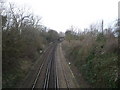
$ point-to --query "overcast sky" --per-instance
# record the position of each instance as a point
(61, 14)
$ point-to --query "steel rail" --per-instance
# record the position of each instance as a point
(49, 57)
(40, 69)
(51, 72)
(48, 73)
(56, 76)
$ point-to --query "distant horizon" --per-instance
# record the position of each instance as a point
(59, 15)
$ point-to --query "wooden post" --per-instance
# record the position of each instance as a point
(102, 26)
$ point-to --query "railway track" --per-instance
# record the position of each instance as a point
(47, 75)
(48, 70)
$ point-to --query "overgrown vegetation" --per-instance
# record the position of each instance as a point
(95, 54)
(22, 39)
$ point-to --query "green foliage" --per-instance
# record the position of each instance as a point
(96, 58)
(101, 38)
(17, 47)
(70, 35)
(52, 35)
(22, 41)
(101, 69)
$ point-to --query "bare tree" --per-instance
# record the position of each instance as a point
(20, 18)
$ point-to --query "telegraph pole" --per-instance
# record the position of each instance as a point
(102, 27)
